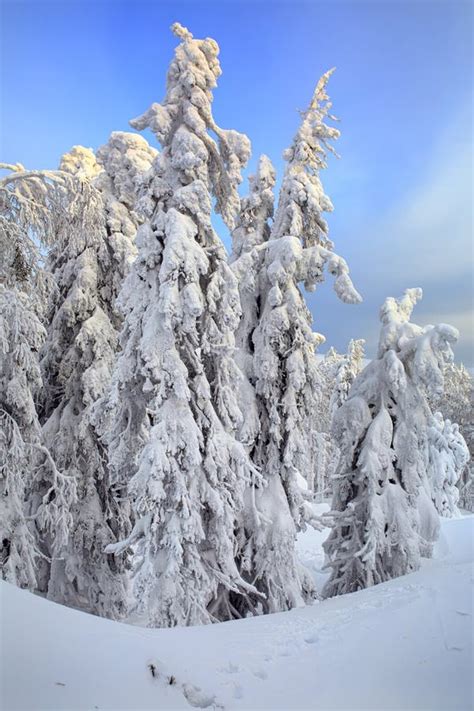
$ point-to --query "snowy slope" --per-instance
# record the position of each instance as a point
(406, 644)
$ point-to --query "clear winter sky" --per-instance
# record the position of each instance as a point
(74, 71)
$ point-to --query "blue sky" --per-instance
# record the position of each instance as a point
(72, 72)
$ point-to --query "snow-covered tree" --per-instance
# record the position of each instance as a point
(78, 351)
(337, 372)
(383, 516)
(88, 262)
(328, 367)
(349, 368)
(32, 205)
(173, 400)
(448, 456)
(457, 405)
(284, 364)
(21, 335)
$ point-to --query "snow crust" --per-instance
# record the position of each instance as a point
(403, 644)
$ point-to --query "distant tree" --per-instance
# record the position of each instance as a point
(337, 372)
(349, 368)
(383, 516)
(328, 367)
(457, 404)
(174, 397)
(448, 456)
(326, 452)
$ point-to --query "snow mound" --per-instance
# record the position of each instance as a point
(405, 644)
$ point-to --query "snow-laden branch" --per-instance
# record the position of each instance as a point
(139, 530)
(35, 206)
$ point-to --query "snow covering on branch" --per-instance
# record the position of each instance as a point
(256, 208)
(383, 516)
(81, 162)
(174, 396)
(34, 206)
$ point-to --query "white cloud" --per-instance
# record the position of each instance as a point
(462, 320)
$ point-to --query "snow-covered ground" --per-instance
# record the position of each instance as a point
(406, 644)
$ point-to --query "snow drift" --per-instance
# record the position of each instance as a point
(404, 644)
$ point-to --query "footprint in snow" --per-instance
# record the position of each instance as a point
(198, 698)
(155, 668)
(230, 668)
(194, 695)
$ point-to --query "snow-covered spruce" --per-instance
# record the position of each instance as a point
(337, 372)
(328, 367)
(448, 456)
(347, 371)
(284, 366)
(383, 516)
(33, 204)
(319, 479)
(21, 335)
(89, 260)
(174, 395)
(457, 404)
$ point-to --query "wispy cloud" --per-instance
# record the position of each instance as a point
(429, 234)
(464, 322)
(425, 239)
